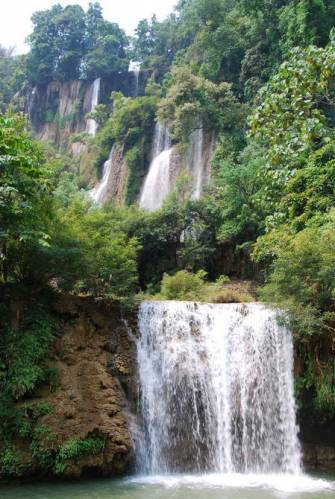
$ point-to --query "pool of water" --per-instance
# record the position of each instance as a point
(212, 486)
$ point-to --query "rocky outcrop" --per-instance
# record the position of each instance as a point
(96, 394)
(118, 177)
(318, 457)
(317, 440)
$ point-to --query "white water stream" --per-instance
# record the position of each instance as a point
(98, 193)
(157, 184)
(217, 390)
(92, 125)
(135, 68)
(196, 161)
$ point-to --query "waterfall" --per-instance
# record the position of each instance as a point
(157, 183)
(98, 193)
(31, 103)
(196, 162)
(92, 125)
(135, 68)
(216, 387)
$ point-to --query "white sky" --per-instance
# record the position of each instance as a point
(15, 15)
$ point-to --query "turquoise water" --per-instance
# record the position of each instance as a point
(214, 486)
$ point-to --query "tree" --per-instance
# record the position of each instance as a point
(130, 125)
(302, 274)
(68, 43)
(107, 256)
(234, 196)
(106, 45)
(57, 44)
(193, 101)
(24, 196)
(294, 122)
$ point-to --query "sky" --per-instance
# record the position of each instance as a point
(15, 15)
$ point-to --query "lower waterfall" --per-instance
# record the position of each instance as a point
(216, 384)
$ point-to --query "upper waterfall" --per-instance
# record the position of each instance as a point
(98, 192)
(92, 125)
(216, 387)
(157, 183)
(31, 103)
(135, 68)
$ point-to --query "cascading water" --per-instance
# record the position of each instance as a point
(216, 387)
(196, 163)
(157, 183)
(98, 193)
(92, 125)
(135, 68)
(31, 103)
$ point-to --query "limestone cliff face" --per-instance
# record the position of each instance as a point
(58, 109)
(97, 385)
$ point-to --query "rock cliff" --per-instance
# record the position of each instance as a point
(58, 109)
(96, 393)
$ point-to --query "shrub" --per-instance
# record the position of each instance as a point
(74, 449)
(183, 285)
(11, 464)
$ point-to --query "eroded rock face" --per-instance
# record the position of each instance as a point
(317, 438)
(117, 181)
(97, 388)
(58, 109)
(319, 457)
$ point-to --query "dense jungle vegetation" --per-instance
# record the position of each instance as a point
(260, 74)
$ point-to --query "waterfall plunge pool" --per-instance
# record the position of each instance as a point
(200, 486)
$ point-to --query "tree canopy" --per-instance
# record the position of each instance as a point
(67, 44)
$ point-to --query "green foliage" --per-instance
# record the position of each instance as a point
(294, 124)
(234, 196)
(302, 277)
(105, 45)
(24, 200)
(107, 257)
(12, 76)
(292, 119)
(11, 462)
(68, 43)
(99, 114)
(310, 192)
(131, 125)
(193, 101)
(74, 449)
(79, 137)
(156, 44)
(43, 447)
(24, 353)
(206, 63)
(183, 285)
